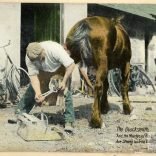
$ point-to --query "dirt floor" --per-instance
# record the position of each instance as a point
(120, 133)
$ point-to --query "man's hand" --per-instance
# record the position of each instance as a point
(36, 86)
(62, 86)
(39, 99)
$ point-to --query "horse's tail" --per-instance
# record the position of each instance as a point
(117, 23)
(117, 20)
(79, 40)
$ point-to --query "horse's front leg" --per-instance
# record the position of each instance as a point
(124, 87)
(96, 121)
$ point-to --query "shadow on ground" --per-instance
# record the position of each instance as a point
(81, 112)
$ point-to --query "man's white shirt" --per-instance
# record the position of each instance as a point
(55, 56)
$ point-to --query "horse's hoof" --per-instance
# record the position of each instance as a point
(127, 109)
(96, 123)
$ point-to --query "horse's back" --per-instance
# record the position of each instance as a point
(93, 33)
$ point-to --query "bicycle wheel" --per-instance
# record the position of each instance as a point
(20, 80)
(3, 92)
(146, 82)
(3, 99)
(3, 88)
(12, 93)
(114, 81)
(110, 89)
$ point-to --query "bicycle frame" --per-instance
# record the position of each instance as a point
(12, 72)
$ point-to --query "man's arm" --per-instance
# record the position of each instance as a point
(68, 73)
(36, 86)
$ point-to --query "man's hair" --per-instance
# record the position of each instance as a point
(33, 50)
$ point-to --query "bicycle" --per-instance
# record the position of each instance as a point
(138, 79)
(13, 80)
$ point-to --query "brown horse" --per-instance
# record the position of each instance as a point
(104, 44)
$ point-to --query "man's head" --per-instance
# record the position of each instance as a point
(34, 51)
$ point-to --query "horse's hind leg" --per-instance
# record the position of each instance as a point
(125, 70)
(104, 101)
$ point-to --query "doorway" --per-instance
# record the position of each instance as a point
(39, 22)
